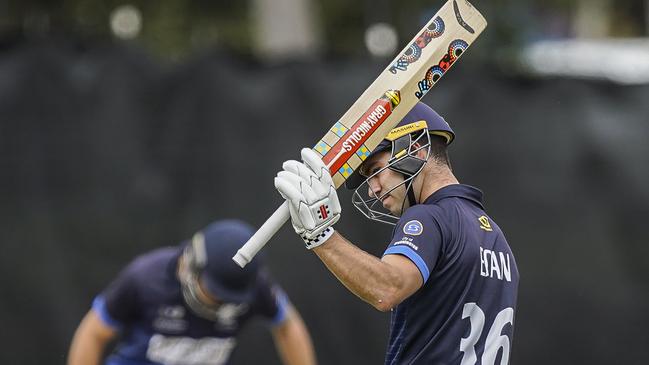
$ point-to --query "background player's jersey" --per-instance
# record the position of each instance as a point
(464, 312)
(156, 327)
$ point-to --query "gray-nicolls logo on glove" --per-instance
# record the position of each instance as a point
(324, 211)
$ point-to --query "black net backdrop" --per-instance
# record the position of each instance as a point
(106, 153)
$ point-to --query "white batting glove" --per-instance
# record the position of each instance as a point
(311, 197)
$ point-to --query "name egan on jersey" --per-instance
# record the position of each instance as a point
(364, 127)
(495, 264)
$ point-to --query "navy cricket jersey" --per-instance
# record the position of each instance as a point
(464, 312)
(146, 305)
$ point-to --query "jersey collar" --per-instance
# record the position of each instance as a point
(457, 191)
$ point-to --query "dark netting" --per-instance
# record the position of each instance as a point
(105, 153)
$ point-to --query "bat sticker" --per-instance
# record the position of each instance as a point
(434, 30)
(461, 21)
(455, 50)
(353, 138)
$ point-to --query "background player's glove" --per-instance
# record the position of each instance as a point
(311, 197)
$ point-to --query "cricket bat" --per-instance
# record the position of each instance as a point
(432, 51)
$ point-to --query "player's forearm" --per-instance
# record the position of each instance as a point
(293, 341)
(85, 351)
(90, 341)
(365, 275)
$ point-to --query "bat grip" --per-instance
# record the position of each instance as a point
(263, 234)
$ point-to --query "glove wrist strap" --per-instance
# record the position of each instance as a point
(312, 243)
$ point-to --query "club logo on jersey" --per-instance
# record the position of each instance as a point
(484, 223)
(170, 319)
(228, 313)
(174, 311)
(413, 228)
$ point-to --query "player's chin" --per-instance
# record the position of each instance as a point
(394, 209)
(397, 209)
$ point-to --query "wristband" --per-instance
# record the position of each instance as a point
(312, 243)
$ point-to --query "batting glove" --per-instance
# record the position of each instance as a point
(311, 195)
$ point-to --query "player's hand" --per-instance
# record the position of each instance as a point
(311, 197)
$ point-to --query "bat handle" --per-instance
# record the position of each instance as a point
(263, 234)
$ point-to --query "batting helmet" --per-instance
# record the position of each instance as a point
(209, 258)
(399, 138)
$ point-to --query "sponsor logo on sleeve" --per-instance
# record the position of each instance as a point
(407, 242)
(413, 228)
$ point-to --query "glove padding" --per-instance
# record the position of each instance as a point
(311, 195)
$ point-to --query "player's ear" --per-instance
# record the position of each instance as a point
(419, 151)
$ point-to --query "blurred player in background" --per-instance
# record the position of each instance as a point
(448, 274)
(186, 305)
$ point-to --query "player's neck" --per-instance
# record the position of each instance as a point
(433, 179)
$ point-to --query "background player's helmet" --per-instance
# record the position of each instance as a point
(208, 257)
(411, 135)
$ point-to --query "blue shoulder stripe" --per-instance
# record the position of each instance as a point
(413, 256)
(282, 307)
(99, 306)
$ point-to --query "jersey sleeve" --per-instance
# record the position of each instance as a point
(117, 304)
(271, 300)
(418, 237)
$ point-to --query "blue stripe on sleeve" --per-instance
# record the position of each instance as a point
(413, 256)
(282, 308)
(99, 306)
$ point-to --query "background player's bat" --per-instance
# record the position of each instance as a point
(390, 97)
